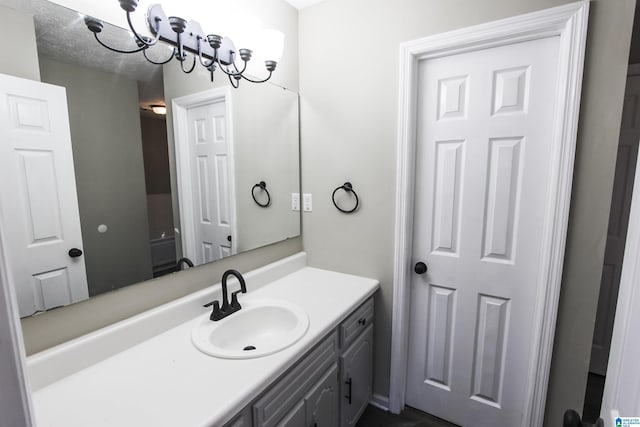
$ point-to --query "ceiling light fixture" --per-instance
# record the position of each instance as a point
(213, 51)
(159, 109)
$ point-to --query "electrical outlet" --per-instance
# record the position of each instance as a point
(295, 201)
(307, 202)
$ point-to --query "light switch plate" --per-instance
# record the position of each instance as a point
(307, 202)
(295, 201)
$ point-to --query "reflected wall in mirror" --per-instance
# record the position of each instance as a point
(124, 161)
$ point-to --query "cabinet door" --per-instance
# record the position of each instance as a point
(321, 403)
(356, 378)
(295, 417)
(295, 385)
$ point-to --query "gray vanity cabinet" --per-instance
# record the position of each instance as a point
(316, 391)
(280, 403)
(318, 408)
(356, 365)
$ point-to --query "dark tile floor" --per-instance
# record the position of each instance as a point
(374, 417)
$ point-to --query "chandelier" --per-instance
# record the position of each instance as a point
(191, 45)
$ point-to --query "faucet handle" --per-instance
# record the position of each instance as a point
(234, 300)
(216, 313)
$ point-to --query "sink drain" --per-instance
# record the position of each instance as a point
(249, 347)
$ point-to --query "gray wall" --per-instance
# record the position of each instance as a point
(348, 130)
(156, 154)
(22, 61)
(107, 150)
(266, 149)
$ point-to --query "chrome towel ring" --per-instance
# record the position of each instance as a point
(262, 186)
(347, 187)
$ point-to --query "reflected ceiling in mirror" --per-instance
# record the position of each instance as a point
(124, 158)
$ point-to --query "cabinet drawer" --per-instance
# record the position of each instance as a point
(356, 323)
(291, 388)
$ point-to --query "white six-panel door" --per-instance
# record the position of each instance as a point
(484, 135)
(38, 200)
(210, 179)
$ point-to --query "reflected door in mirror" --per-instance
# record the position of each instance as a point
(38, 201)
(211, 185)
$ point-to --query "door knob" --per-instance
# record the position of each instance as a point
(75, 252)
(420, 267)
(228, 238)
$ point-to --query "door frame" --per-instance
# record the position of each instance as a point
(569, 22)
(180, 108)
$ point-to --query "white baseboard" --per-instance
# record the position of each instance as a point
(380, 401)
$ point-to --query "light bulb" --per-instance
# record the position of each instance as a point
(159, 109)
(271, 45)
(246, 33)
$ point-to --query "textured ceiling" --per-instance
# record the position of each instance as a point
(62, 35)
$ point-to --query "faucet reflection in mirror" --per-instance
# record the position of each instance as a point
(213, 51)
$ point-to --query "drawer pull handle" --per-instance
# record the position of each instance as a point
(348, 396)
(362, 321)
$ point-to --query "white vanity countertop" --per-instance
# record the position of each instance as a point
(166, 381)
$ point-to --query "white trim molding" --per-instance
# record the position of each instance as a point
(380, 401)
(15, 402)
(180, 108)
(569, 23)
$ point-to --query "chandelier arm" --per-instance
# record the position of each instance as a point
(193, 65)
(235, 84)
(243, 68)
(117, 50)
(144, 52)
(202, 60)
(212, 69)
(232, 73)
(257, 81)
(147, 42)
(182, 56)
(224, 70)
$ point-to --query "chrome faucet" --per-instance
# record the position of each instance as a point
(227, 308)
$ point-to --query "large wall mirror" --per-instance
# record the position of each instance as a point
(147, 198)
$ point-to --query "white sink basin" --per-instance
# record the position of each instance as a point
(260, 328)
